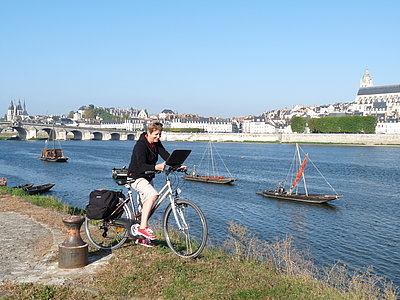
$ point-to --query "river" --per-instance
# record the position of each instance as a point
(362, 229)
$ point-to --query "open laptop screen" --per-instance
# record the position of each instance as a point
(177, 157)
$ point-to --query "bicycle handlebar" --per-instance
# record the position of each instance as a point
(169, 170)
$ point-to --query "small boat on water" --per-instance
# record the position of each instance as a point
(212, 175)
(209, 179)
(39, 189)
(52, 154)
(3, 181)
(293, 193)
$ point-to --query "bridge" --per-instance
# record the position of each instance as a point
(27, 131)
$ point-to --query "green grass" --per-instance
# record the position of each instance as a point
(43, 201)
(243, 267)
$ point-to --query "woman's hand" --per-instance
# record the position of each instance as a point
(160, 167)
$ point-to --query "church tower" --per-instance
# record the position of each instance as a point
(10, 112)
(366, 80)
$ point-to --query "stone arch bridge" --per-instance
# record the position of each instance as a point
(28, 131)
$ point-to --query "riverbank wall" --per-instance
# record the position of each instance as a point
(322, 138)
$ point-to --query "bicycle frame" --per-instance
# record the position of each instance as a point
(183, 223)
(165, 191)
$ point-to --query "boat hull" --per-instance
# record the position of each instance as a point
(310, 198)
(39, 189)
(207, 179)
(53, 155)
(55, 159)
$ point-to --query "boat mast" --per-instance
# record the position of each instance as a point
(304, 178)
(212, 158)
(54, 138)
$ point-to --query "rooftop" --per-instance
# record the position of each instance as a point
(381, 89)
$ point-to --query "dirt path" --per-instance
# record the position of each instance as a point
(29, 239)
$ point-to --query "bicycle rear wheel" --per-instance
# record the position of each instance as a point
(108, 234)
(190, 238)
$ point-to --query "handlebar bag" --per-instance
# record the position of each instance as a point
(102, 203)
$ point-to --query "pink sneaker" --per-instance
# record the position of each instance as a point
(144, 242)
(146, 232)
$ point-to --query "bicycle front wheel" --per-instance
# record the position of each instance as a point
(108, 234)
(186, 231)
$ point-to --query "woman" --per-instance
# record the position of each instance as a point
(144, 158)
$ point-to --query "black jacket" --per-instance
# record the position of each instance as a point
(144, 158)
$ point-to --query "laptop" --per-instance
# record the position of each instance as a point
(177, 157)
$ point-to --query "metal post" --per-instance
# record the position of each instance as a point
(73, 252)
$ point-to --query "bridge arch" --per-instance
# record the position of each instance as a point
(97, 136)
(76, 135)
(115, 136)
(130, 137)
(22, 132)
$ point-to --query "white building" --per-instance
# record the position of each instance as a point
(388, 127)
(258, 125)
(220, 125)
(382, 101)
(133, 124)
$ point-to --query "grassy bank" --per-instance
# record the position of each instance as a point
(243, 267)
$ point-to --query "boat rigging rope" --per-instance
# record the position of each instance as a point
(224, 164)
(211, 166)
(320, 173)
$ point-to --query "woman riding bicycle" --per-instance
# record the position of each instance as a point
(144, 159)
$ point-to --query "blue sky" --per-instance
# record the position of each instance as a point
(215, 58)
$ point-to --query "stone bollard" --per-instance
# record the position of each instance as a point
(73, 252)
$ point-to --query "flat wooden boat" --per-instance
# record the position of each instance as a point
(52, 154)
(210, 171)
(39, 189)
(296, 171)
(310, 198)
(209, 179)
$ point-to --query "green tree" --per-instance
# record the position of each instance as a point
(346, 124)
(298, 124)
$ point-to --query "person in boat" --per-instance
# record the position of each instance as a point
(281, 190)
(144, 158)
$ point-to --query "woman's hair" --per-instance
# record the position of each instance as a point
(155, 125)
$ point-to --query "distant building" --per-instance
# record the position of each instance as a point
(132, 124)
(382, 101)
(259, 124)
(17, 112)
(205, 124)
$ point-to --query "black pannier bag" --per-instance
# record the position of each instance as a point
(102, 203)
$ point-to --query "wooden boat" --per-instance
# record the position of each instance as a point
(52, 154)
(39, 189)
(3, 181)
(293, 193)
(212, 175)
(208, 179)
(23, 186)
(119, 173)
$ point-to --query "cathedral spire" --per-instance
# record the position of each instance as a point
(366, 80)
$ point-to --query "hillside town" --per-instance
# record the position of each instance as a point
(382, 101)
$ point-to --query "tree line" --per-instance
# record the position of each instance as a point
(346, 124)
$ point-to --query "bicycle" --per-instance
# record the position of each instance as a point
(183, 223)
